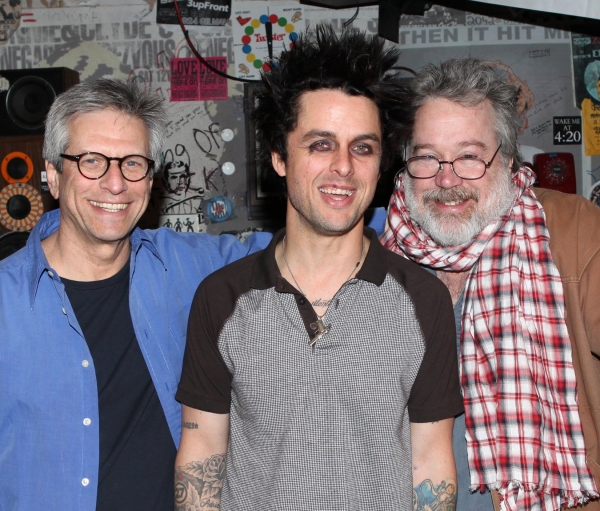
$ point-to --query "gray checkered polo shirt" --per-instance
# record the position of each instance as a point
(324, 427)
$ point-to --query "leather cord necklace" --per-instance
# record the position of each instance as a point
(321, 328)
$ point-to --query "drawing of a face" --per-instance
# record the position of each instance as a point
(177, 176)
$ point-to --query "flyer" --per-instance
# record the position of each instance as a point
(205, 13)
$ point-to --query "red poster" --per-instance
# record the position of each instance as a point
(212, 85)
(185, 74)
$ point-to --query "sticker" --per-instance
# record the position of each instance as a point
(185, 73)
(44, 188)
(219, 209)
(567, 130)
(208, 13)
(188, 223)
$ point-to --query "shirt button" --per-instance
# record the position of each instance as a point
(313, 326)
(85, 363)
(87, 422)
(50, 273)
(301, 301)
(85, 481)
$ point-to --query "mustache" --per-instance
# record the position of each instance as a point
(451, 195)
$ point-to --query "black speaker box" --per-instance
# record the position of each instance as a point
(25, 99)
(26, 96)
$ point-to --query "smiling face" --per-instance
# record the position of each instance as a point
(450, 209)
(105, 210)
(333, 162)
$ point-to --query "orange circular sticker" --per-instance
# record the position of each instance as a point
(27, 197)
(12, 158)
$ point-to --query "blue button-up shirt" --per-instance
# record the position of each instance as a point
(49, 430)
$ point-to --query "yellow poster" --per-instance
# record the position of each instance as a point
(591, 126)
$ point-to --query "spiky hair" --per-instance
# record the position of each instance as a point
(352, 62)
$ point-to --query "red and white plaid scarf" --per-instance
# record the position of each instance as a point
(524, 435)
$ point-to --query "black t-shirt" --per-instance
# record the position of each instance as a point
(137, 452)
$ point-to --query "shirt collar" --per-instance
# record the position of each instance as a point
(49, 224)
(373, 269)
(266, 274)
(35, 254)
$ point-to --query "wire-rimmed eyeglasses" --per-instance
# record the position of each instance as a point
(133, 167)
(465, 167)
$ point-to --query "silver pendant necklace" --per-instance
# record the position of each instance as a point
(321, 328)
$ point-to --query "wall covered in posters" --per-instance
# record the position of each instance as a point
(204, 186)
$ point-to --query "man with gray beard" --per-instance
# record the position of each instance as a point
(523, 268)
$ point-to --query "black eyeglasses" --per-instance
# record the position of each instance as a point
(133, 167)
(465, 167)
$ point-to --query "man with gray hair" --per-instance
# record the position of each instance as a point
(93, 314)
(523, 268)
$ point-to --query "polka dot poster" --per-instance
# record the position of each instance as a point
(260, 28)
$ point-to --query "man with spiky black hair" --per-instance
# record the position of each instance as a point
(322, 373)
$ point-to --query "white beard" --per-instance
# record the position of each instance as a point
(450, 230)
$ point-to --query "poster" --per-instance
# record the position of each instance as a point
(586, 79)
(192, 80)
(213, 86)
(586, 67)
(185, 79)
(262, 30)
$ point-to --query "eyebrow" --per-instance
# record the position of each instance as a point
(312, 134)
(466, 143)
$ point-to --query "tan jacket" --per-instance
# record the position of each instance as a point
(574, 226)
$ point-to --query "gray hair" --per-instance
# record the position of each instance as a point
(469, 82)
(124, 97)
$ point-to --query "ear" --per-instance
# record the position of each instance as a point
(278, 164)
(53, 176)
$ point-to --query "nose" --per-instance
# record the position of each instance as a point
(113, 180)
(446, 178)
(342, 163)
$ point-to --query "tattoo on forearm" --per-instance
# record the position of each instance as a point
(190, 425)
(198, 484)
(428, 497)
